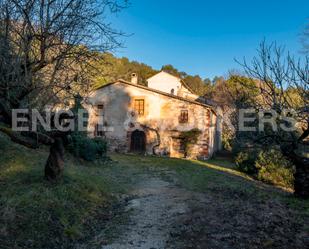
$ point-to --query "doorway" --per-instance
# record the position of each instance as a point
(138, 141)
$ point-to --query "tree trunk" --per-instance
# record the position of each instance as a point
(301, 175)
(55, 162)
(301, 178)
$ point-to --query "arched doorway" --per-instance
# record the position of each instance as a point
(138, 141)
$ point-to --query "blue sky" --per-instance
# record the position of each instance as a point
(204, 37)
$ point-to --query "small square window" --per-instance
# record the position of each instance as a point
(100, 107)
(184, 116)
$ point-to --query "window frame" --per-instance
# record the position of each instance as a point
(97, 131)
(139, 108)
(99, 109)
(100, 106)
(184, 116)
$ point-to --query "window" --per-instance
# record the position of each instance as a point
(139, 106)
(99, 109)
(98, 131)
(173, 91)
(184, 116)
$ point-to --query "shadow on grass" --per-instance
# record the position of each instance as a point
(200, 175)
(214, 177)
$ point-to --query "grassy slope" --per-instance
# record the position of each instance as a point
(37, 214)
(215, 174)
(239, 211)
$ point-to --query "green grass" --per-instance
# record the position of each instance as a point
(38, 214)
(191, 174)
(216, 176)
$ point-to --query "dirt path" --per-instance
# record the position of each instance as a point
(160, 214)
(156, 207)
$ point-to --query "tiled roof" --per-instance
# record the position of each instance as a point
(159, 92)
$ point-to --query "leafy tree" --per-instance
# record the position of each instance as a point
(217, 79)
(172, 70)
(109, 68)
(197, 85)
(236, 92)
(231, 95)
(207, 82)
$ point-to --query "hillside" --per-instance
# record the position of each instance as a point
(38, 214)
(111, 68)
(155, 200)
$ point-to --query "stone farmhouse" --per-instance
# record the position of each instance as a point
(153, 119)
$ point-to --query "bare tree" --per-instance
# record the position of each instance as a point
(283, 80)
(305, 39)
(46, 47)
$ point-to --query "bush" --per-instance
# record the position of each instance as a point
(226, 142)
(101, 146)
(87, 148)
(245, 162)
(274, 168)
(269, 166)
(189, 138)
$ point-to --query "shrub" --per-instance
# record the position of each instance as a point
(87, 148)
(226, 142)
(245, 162)
(274, 168)
(237, 147)
(189, 138)
(101, 146)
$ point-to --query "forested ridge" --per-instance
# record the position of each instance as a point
(110, 68)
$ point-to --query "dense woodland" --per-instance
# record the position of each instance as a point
(111, 68)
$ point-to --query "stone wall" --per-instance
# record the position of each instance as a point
(160, 121)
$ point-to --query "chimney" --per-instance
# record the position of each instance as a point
(134, 78)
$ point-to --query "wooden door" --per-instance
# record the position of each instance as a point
(138, 141)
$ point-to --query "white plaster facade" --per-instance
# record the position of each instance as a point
(168, 83)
